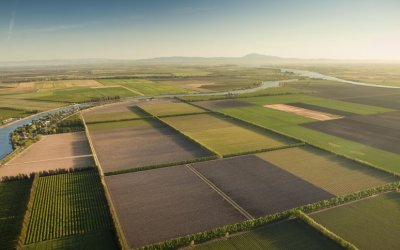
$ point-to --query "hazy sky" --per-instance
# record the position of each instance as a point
(130, 29)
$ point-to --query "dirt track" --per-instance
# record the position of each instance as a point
(258, 186)
(161, 204)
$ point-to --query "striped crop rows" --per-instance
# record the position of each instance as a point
(68, 204)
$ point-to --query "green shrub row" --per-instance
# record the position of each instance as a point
(162, 165)
(300, 144)
(217, 233)
(185, 114)
(335, 201)
(323, 230)
(262, 221)
(45, 173)
(119, 120)
(178, 131)
(28, 212)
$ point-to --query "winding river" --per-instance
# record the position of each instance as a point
(5, 144)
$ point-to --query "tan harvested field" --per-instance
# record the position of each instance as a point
(161, 204)
(316, 115)
(70, 150)
(335, 175)
(136, 143)
(225, 136)
(197, 85)
(170, 108)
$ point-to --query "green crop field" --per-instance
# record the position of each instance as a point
(102, 239)
(145, 87)
(171, 108)
(292, 234)
(83, 94)
(224, 136)
(14, 197)
(334, 174)
(350, 107)
(372, 223)
(114, 116)
(29, 105)
(6, 113)
(119, 124)
(287, 124)
(66, 205)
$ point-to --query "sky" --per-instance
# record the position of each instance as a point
(133, 29)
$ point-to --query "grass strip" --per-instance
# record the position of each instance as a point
(323, 230)
(28, 212)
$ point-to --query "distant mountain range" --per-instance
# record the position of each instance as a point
(250, 59)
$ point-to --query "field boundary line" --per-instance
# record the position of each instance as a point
(221, 193)
(324, 231)
(53, 159)
(28, 213)
(117, 225)
(364, 163)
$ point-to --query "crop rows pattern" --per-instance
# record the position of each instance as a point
(68, 204)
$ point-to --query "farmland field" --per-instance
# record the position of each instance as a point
(114, 112)
(68, 150)
(136, 143)
(224, 136)
(14, 196)
(288, 124)
(292, 234)
(77, 95)
(161, 204)
(381, 130)
(145, 87)
(369, 224)
(66, 205)
(6, 113)
(258, 186)
(170, 108)
(335, 175)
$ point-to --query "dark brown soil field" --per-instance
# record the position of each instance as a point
(380, 131)
(222, 104)
(320, 109)
(161, 204)
(381, 97)
(258, 186)
(124, 145)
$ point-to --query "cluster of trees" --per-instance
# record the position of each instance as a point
(25, 135)
(105, 98)
(70, 125)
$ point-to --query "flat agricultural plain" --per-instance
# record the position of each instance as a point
(334, 174)
(372, 223)
(14, 196)
(136, 143)
(166, 203)
(170, 108)
(291, 234)
(381, 130)
(224, 135)
(258, 186)
(113, 112)
(69, 150)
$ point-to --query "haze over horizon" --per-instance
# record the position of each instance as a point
(123, 29)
